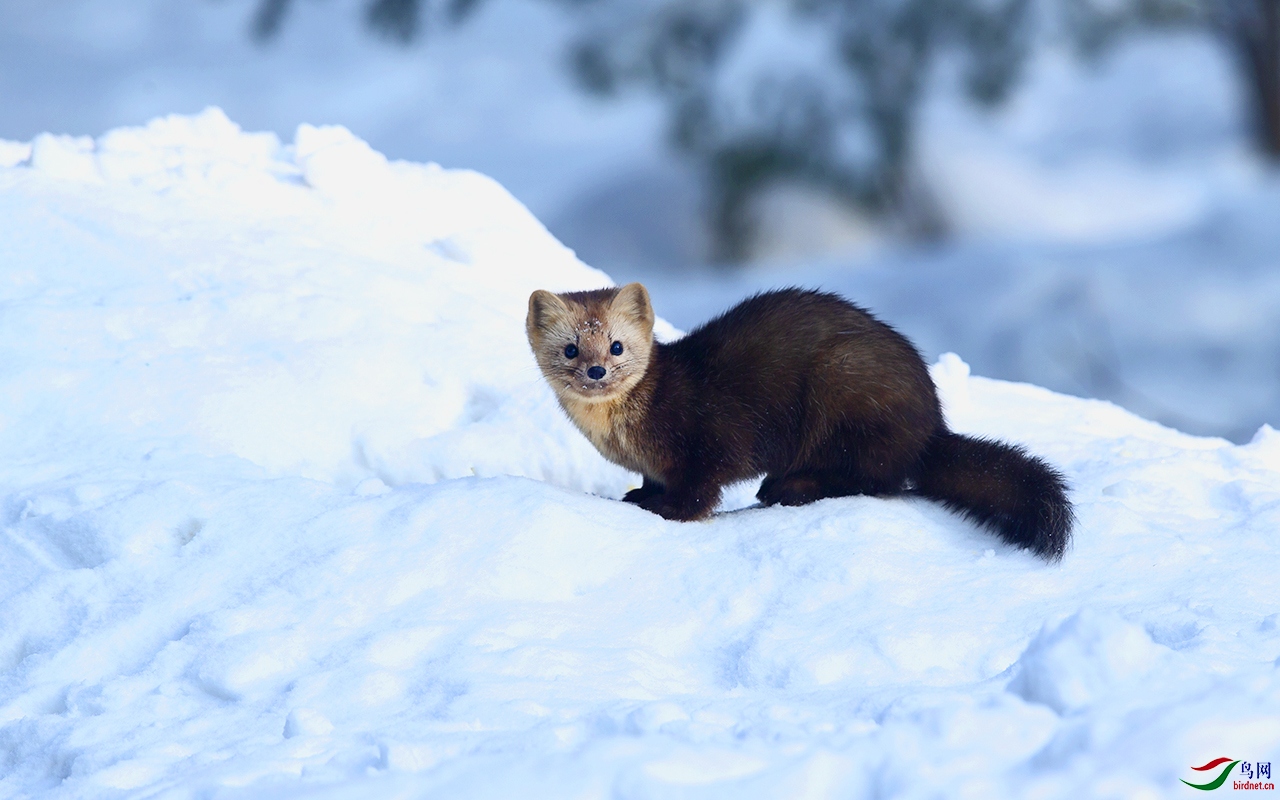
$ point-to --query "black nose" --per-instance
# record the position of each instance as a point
(595, 373)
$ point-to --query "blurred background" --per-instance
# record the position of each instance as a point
(1082, 194)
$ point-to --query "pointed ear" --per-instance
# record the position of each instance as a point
(632, 300)
(544, 309)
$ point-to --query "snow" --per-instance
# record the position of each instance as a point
(289, 513)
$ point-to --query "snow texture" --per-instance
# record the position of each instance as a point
(288, 512)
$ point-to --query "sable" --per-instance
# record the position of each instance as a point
(802, 387)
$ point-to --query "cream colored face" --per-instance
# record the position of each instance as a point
(592, 346)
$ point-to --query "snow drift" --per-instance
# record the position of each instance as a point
(289, 512)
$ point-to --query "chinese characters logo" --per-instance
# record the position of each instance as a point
(1249, 770)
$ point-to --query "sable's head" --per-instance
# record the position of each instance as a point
(592, 346)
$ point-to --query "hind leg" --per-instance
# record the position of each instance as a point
(799, 488)
(848, 462)
(789, 490)
(650, 488)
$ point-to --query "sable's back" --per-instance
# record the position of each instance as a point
(777, 375)
(794, 329)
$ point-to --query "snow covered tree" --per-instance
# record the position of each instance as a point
(818, 92)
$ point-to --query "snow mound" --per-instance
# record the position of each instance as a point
(288, 511)
(311, 308)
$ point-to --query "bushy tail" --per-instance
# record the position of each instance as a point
(1002, 487)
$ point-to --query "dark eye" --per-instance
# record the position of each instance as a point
(571, 351)
(616, 348)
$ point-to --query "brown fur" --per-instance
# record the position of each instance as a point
(805, 388)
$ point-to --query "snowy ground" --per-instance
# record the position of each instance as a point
(288, 513)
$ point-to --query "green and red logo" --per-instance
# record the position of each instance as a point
(1218, 781)
(1259, 769)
